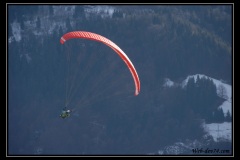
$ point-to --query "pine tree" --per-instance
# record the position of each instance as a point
(191, 94)
(219, 115)
(228, 117)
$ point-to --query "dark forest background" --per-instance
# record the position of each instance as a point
(162, 42)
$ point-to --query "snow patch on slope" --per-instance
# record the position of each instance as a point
(16, 31)
(103, 11)
(168, 83)
(219, 131)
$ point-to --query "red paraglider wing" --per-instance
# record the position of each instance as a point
(97, 37)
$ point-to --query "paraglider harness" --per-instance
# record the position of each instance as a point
(65, 113)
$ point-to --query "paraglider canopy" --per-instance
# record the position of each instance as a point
(97, 37)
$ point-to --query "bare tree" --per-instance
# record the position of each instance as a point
(222, 92)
